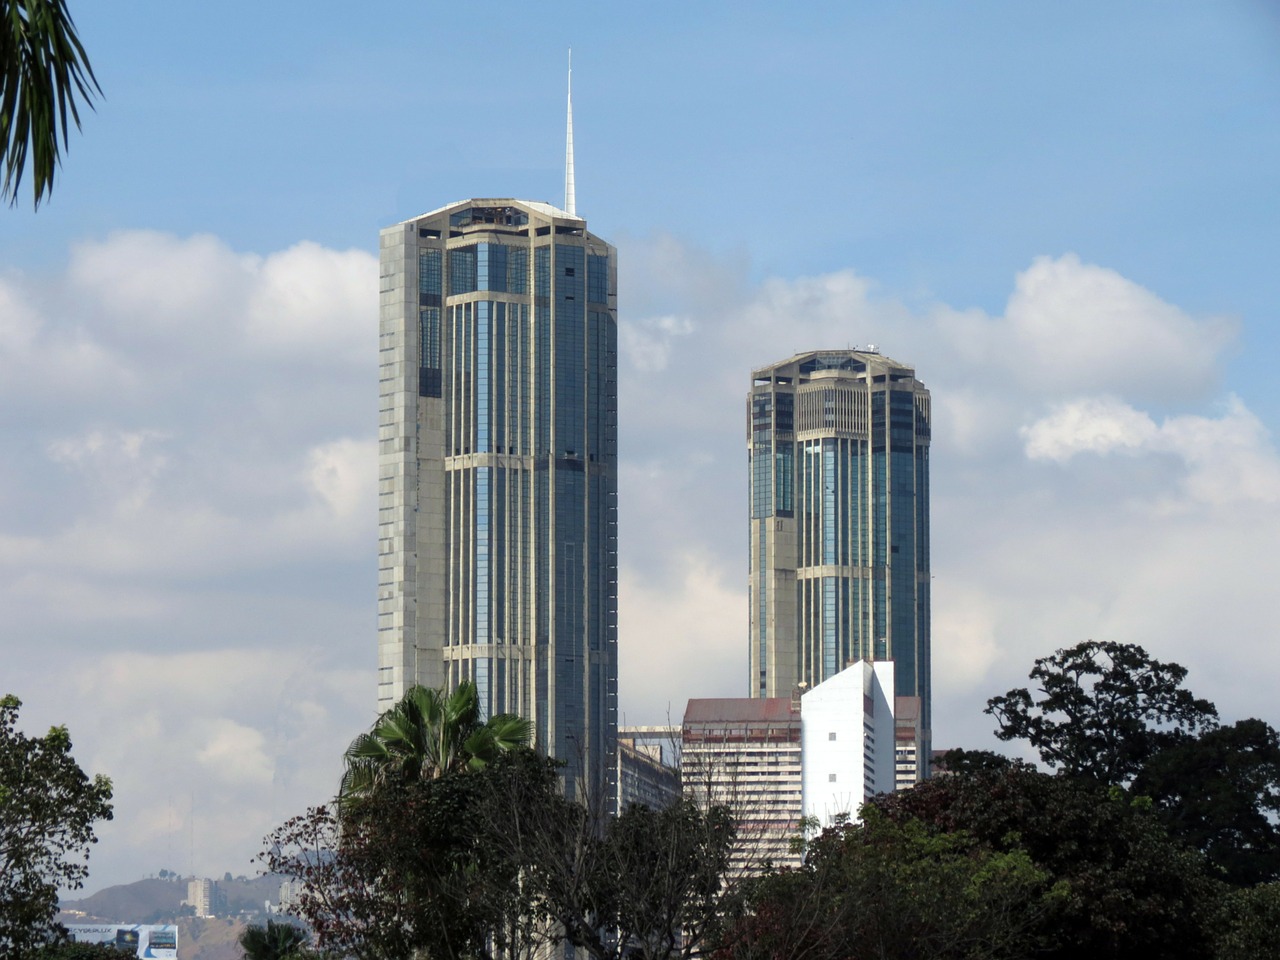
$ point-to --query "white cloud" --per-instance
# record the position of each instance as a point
(121, 463)
(156, 285)
(1093, 425)
(681, 636)
(339, 472)
(1229, 458)
(1084, 328)
(648, 342)
(305, 300)
(235, 753)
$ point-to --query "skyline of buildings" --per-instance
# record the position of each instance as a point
(498, 513)
(838, 481)
(498, 470)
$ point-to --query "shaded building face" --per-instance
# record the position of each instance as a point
(838, 446)
(498, 459)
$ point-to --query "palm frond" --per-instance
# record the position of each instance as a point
(44, 71)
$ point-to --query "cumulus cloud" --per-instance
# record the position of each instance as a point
(1081, 327)
(1094, 425)
(187, 540)
(1227, 458)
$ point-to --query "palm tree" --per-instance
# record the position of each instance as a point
(427, 735)
(43, 71)
(275, 941)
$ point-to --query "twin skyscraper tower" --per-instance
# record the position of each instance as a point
(498, 470)
(498, 486)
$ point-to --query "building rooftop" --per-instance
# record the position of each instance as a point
(852, 360)
(535, 206)
(741, 710)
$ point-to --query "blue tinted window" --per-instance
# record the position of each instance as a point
(462, 270)
(542, 271)
(517, 270)
(429, 374)
(430, 280)
(598, 279)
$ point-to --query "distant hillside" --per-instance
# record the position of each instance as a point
(144, 901)
(160, 901)
(217, 938)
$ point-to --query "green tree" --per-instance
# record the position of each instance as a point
(1220, 793)
(1103, 710)
(48, 808)
(427, 734)
(44, 71)
(71, 950)
(427, 867)
(894, 888)
(1246, 925)
(1132, 890)
(275, 941)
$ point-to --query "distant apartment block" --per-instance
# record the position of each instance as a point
(746, 753)
(290, 892)
(648, 768)
(908, 743)
(204, 896)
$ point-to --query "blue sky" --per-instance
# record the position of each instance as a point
(1065, 216)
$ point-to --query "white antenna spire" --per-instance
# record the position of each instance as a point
(570, 201)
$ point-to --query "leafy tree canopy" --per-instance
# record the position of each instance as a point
(1220, 793)
(71, 950)
(1132, 890)
(275, 941)
(44, 72)
(1109, 713)
(418, 866)
(1102, 710)
(48, 808)
(890, 887)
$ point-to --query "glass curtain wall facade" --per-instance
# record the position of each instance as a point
(838, 448)
(498, 471)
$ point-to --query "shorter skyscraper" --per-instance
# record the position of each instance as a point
(838, 445)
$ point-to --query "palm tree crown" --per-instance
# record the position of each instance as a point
(428, 734)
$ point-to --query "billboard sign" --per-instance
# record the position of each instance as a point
(152, 941)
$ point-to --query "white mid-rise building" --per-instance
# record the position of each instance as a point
(847, 741)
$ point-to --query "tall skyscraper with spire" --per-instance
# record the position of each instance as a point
(838, 445)
(498, 468)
